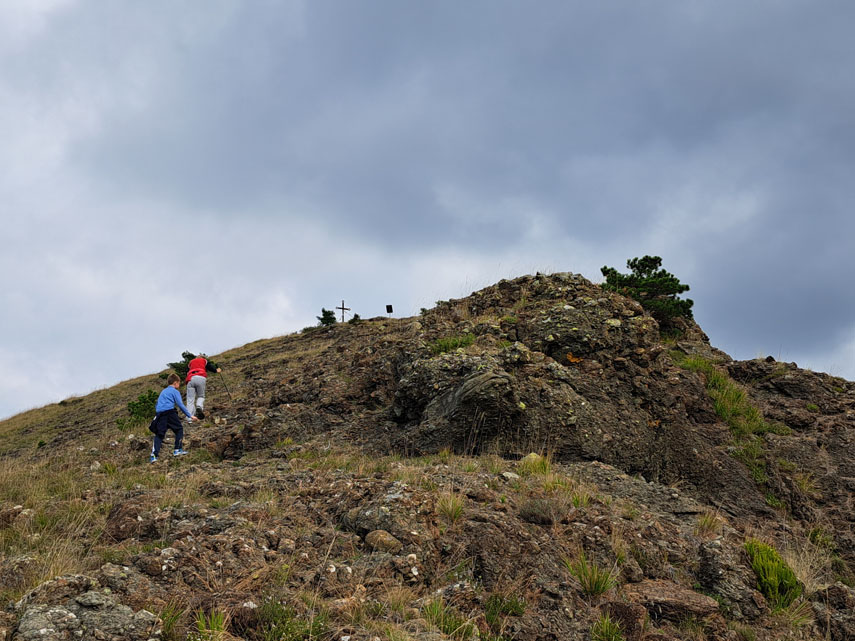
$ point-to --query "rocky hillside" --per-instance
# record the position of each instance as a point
(534, 461)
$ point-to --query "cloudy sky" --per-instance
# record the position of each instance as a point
(198, 174)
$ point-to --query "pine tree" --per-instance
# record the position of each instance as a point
(182, 367)
(327, 318)
(656, 289)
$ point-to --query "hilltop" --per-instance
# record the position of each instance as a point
(534, 461)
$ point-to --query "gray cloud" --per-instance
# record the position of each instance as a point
(399, 152)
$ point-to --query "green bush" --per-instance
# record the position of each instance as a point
(442, 345)
(327, 318)
(183, 366)
(141, 411)
(775, 579)
(656, 289)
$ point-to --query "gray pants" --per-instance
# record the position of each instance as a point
(196, 393)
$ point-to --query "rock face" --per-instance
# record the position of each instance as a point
(558, 365)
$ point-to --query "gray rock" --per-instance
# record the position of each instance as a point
(72, 608)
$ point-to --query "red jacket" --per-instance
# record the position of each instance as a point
(198, 367)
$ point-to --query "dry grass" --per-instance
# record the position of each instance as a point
(534, 465)
(709, 525)
(810, 564)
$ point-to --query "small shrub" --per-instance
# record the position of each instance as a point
(656, 289)
(327, 318)
(812, 407)
(775, 579)
(604, 629)
(141, 411)
(774, 501)
(183, 366)
(593, 579)
(449, 343)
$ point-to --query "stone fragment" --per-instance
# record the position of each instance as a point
(383, 541)
(669, 600)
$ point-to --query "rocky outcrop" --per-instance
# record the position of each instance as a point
(73, 607)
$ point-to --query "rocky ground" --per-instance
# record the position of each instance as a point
(374, 481)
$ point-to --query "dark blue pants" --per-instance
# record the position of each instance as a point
(167, 420)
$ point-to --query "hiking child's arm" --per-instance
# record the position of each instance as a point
(176, 396)
(212, 367)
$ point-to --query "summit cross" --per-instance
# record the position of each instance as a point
(343, 309)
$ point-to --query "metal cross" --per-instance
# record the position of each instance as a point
(343, 309)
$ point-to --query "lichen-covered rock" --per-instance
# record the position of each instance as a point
(73, 607)
(57, 590)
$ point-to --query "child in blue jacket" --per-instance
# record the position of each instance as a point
(167, 418)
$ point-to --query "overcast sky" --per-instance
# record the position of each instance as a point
(199, 174)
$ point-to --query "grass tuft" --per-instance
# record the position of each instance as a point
(448, 620)
(604, 629)
(593, 579)
(451, 506)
